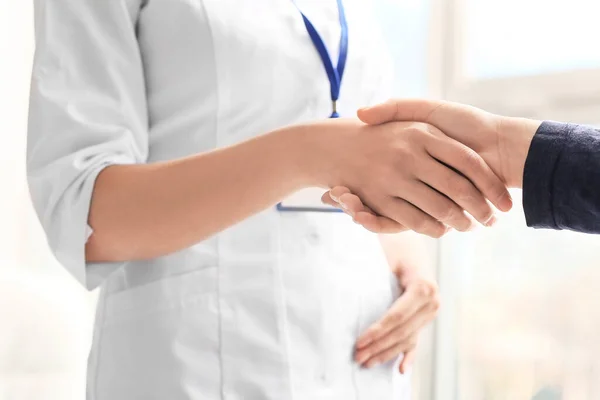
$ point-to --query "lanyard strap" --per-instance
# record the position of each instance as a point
(334, 74)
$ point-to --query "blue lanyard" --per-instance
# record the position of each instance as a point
(334, 74)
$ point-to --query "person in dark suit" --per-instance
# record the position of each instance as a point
(556, 164)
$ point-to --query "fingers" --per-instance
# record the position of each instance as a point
(404, 333)
(470, 164)
(407, 361)
(326, 199)
(446, 116)
(341, 197)
(398, 330)
(400, 340)
(415, 297)
(363, 215)
(378, 224)
(352, 204)
(378, 351)
(392, 352)
(412, 217)
(337, 192)
(441, 207)
(463, 194)
(366, 217)
(399, 110)
(331, 197)
(427, 199)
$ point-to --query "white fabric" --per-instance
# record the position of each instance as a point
(268, 309)
(42, 352)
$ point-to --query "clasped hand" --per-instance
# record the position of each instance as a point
(446, 163)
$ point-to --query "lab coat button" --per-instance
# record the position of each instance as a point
(313, 237)
(322, 377)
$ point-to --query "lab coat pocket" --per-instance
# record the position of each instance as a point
(161, 340)
(161, 295)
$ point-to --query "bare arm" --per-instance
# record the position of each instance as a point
(147, 210)
(88, 152)
(405, 251)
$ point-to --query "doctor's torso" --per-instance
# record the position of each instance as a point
(221, 71)
(269, 308)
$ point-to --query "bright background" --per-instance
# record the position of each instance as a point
(520, 317)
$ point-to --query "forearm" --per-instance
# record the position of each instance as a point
(516, 135)
(404, 251)
(558, 167)
(149, 210)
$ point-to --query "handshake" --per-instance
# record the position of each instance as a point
(428, 166)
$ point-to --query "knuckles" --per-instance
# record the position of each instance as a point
(471, 159)
(426, 227)
(416, 130)
(447, 213)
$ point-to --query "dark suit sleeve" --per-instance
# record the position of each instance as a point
(561, 181)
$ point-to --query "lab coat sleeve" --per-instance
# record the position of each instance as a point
(87, 111)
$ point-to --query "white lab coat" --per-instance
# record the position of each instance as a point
(268, 309)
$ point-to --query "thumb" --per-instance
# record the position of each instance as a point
(398, 110)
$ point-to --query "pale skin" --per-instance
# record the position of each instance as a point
(148, 210)
(503, 142)
(405, 170)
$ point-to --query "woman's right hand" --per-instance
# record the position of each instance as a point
(409, 173)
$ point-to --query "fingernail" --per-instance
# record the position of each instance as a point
(492, 221)
(342, 204)
(372, 363)
(506, 202)
(334, 198)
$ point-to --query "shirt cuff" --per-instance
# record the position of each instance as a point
(538, 176)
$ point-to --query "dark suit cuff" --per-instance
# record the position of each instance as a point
(538, 176)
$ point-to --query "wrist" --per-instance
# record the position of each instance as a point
(307, 154)
(516, 135)
(316, 147)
